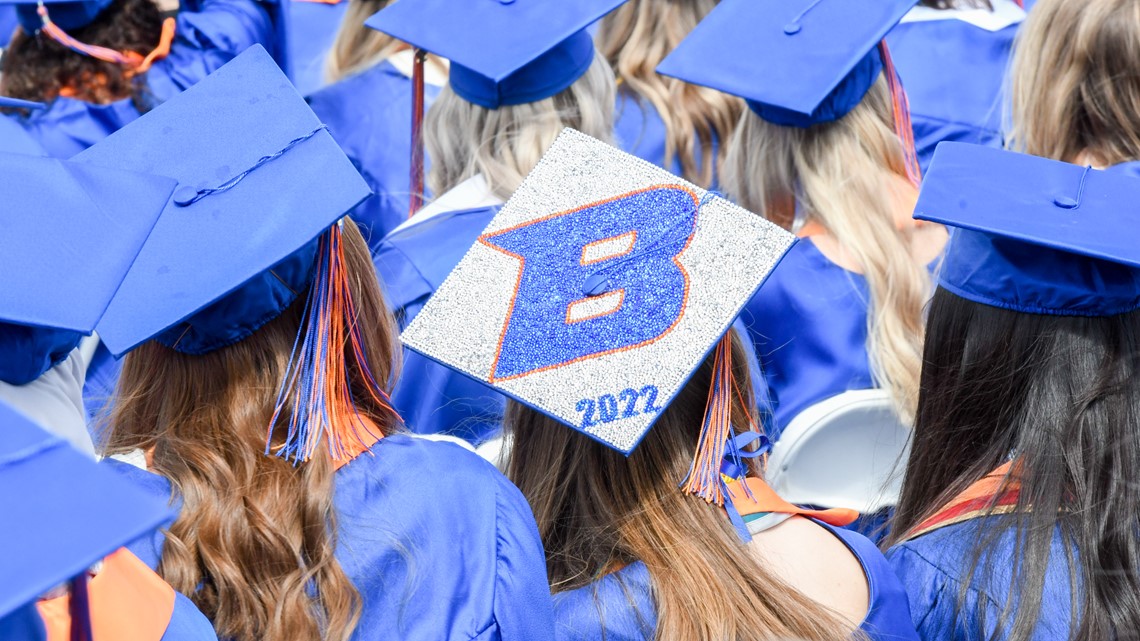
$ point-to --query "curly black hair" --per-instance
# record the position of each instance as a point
(39, 68)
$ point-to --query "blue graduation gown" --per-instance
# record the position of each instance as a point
(933, 569)
(412, 263)
(953, 73)
(370, 116)
(8, 23)
(620, 605)
(312, 29)
(639, 130)
(204, 41)
(438, 543)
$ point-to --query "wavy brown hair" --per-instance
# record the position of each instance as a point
(842, 174)
(358, 47)
(254, 542)
(41, 69)
(635, 38)
(598, 511)
(1075, 82)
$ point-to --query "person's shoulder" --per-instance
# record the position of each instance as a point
(148, 481)
(616, 606)
(364, 92)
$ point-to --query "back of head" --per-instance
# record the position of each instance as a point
(635, 38)
(254, 536)
(598, 511)
(36, 67)
(844, 175)
(1059, 395)
(358, 47)
(504, 144)
(1074, 88)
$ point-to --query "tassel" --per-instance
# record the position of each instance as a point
(130, 59)
(901, 108)
(79, 609)
(417, 178)
(317, 389)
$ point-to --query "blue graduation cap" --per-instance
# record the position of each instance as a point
(260, 178)
(66, 14)
(63, 264)
(598, 289)
(795, 62)
(502, 52)
(1034, 235)
(62, 511)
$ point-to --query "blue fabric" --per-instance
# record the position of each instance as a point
(24, 624)
(639, 130)
(370, 116)
(836, 104)
(187, 623)
(8, 23)
(933, 568)
(31, 351)
(808, 324)
(99, 387)
(619, 606)
(439, 544)
(66, 15)
(204, 41)
(412, 263)
(543, 77)
(953, 74)
(312, 30)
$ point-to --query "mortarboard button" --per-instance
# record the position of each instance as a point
(185, 195)
(1065, 202)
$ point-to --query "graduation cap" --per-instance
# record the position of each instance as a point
(252, 226)
(54, 18)
(797, 63)
(1034, 235)
(502, 52)
(62, 511)
(64, 264)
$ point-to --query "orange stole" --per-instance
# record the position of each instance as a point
(995, 493)
(129, 602)
(764, 499)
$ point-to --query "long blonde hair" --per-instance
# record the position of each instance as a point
(842, 174)
(598, 511)
(1074, 81)
(254, 542)
(504, 144)
(635, 38)
(358, 47)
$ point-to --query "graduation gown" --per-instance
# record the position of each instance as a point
(953, 73)
(639, 130)
(620, 605)
(438, 543)
(370, 116)
(312, 28)
(204, 40)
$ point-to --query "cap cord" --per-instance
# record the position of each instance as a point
(1065, 202)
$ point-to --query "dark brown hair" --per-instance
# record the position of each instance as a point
(39, 68)
(1061, 396)
(253, 545)
(599, 511)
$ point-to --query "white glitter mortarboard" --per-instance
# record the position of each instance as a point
(598, 289)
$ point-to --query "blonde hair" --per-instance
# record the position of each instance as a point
(254, 543)
(598, 510)
(635, 38)
(358, 47)
(842, 174)
(504, 144)
(1075, 83)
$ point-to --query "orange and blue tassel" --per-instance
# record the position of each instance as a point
(317, 386)
(129, 59)
(901, 111)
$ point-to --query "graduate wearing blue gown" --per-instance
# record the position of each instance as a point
(370, 115)
(207, 35)
(312, 29)
(809, 321)
(1040, 266)
(434, 539)
(953, 64)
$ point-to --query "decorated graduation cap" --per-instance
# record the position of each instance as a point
(252, 227)
(596, 292)
(63, 264)
(1034, 235)
(54, 18)
(502, 52)
(797, 63)
(62, 513)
